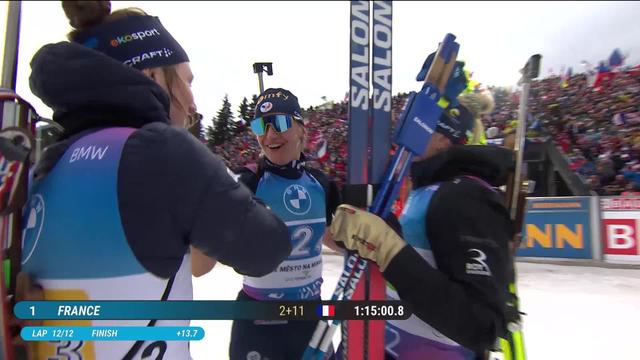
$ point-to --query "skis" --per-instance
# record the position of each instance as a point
(371, 340)
(366, 338)
(358, 158)
(415, 128)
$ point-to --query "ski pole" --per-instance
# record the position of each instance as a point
(417, 125)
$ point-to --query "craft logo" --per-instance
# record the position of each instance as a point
(148, 56)
(140, 35)
(297, 199)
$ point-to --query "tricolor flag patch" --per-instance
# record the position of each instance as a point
(326, 310)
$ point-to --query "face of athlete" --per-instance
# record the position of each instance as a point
(176, 81)
(282, 148)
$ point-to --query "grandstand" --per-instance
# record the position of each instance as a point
(582, 139)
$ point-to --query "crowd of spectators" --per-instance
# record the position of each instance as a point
(325, 124)
(597, 128)
(241, 150)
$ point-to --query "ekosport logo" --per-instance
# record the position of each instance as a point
(140, 35)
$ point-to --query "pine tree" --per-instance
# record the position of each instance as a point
(243, 110)
(210, 135)
(243, 118)
(221, 123)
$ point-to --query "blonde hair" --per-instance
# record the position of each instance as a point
(478, 104)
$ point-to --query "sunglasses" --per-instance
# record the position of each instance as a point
(279, 123)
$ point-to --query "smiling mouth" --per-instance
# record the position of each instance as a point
(275, 146)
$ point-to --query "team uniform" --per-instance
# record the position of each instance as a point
(454, 271)
(115, 204)
(305, 200)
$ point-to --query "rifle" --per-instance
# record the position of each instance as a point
(512, 347)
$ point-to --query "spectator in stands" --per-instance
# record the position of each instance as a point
(596, 121)
(594, 185)
(632, 189)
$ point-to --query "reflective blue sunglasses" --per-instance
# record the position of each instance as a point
(279, 123)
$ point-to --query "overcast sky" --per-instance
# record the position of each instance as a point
(308, 42)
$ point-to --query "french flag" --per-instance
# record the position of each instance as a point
(326, 310)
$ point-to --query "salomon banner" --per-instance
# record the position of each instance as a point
(358, 93)
(381, 100)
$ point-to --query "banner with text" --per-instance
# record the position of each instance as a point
(557, 228)
(620, 217)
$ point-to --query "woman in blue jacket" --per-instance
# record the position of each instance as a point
(305, 199)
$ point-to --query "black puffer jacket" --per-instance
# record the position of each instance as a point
(466, 217)
(172, 191)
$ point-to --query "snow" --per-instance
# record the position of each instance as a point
(573, 312)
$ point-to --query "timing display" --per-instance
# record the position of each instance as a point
(210, 310)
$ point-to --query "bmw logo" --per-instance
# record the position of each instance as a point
(297, 199)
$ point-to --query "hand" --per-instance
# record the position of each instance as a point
(367, 234)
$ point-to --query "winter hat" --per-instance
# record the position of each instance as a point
(278, 101)
(139, 41)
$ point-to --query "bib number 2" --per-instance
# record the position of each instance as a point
(301, 240)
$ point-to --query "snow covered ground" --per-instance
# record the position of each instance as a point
(573, 312)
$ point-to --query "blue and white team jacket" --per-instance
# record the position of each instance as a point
(414, 339)
(76, 248)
